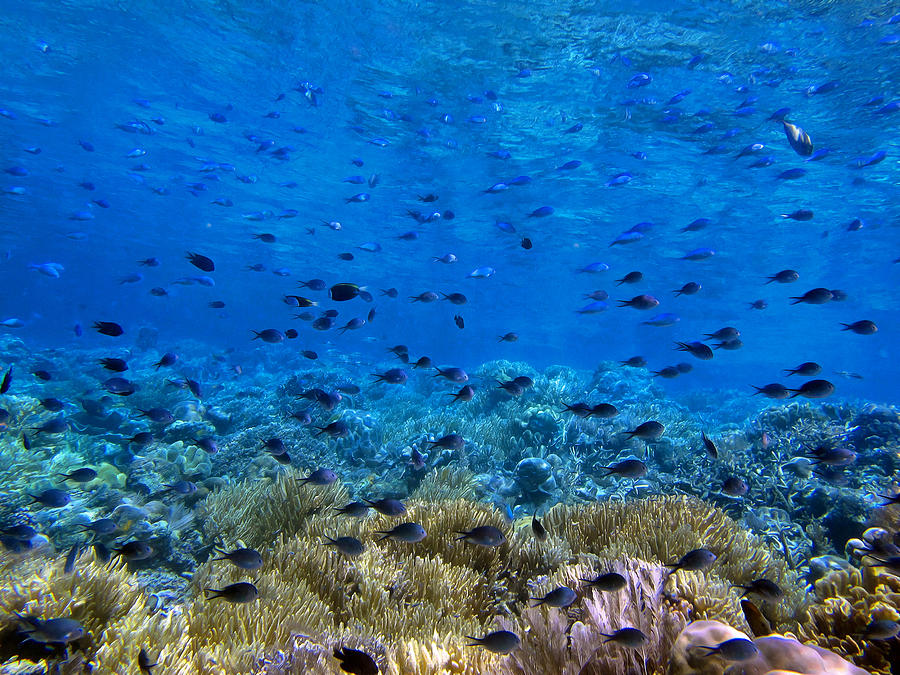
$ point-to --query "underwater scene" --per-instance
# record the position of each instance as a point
(474, 338)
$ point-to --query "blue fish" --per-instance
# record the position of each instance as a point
(541, 212)
(698, 254)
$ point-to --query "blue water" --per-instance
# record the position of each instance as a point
(84, 66)
(552, 148)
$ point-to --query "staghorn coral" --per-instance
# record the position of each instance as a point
(847, 600)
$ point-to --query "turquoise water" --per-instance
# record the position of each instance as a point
(527, 156)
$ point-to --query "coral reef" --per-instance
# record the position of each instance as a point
(775, 654)
(410, 605)
(847, 601)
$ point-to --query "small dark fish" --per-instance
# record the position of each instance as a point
(354, 509)
(863, 327)
(627, 468)
(201, 262)
(784, 277)
(773, 390)
(609, 582)
(320, 477)
(52, 498)
(449, 442)
(710, 447)
(409, 533)
(806, 369)
(816, 296)
(109, 328)
(101, 527)
(511, 388)
(241, 592)
(457, 375)
(464, 394)
(52, 404)
(695, 349)
(142, 439)
(114, 364)
(71, 557)
(561, 597)
(82, 475)
(526, 243)
(483, 535)
(42, 375)
(627, 637)
(159, 415)
(388, 507)
(244, 558)
(689, 288)
(134, 551)
(392, 376)
(355, 662)
(630, 278)
(649, 431)
(694, 561)
(735, 487)
(524, 381)
(640, 302)
(764, 588)
(167, 359)
(800, 214)
(348, 546)
(498, 642)
(459, 321)
(814, 389)
(537, 529)
(635, 362)
(735, 649)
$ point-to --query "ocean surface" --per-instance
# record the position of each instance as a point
(260, 233)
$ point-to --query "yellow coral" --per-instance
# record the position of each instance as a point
(847, 602)
(409, 605)
(662, 529)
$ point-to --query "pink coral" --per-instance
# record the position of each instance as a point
(777, 655)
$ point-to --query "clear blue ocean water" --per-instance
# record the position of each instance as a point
(441, 87)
